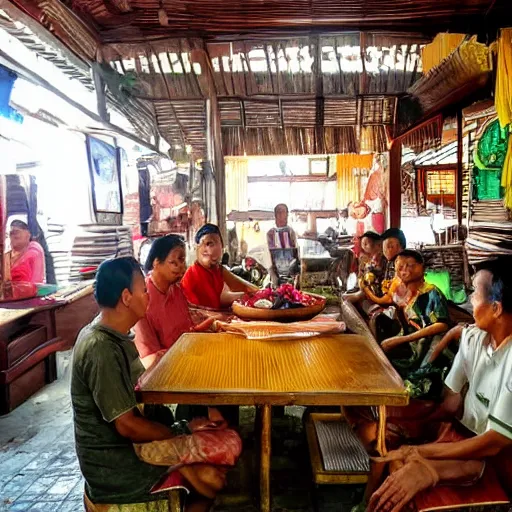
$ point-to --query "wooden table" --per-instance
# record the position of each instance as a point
(223, 369)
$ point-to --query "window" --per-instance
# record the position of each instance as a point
(440, 183)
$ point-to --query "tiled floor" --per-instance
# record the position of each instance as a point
(39, 470)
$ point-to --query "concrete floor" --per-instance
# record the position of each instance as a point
(39, 469)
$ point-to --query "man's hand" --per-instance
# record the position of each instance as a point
(400, 488)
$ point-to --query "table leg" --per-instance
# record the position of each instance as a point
(375, 477)
(266, 421)
(381, 432)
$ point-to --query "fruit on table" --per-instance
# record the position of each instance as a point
(263, 304)
(284, 297)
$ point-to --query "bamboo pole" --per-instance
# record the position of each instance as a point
(459, 168)
(395, 183)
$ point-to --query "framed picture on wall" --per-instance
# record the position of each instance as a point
(105, 175)
(319, 166)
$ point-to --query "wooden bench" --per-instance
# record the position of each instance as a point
(337, 456)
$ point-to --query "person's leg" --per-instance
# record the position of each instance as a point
(206, 480)
(198, 505)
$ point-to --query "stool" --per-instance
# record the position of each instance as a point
(174, 503)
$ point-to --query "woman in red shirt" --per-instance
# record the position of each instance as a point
(25, 260)
(168, 315)
(203, 283)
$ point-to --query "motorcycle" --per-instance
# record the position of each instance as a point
(250, 270)
(341, 251)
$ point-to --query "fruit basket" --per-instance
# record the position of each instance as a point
(286, 304)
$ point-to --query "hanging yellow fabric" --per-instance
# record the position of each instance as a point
(348, 171)
(503, 102)
(237, 170)
(434, 53)
(506, 176)
(504, 78)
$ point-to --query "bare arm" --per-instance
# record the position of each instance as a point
(139, 429)
(453, 334)
(430, 330)
(227, 297)
(474, 448)
(150, 360)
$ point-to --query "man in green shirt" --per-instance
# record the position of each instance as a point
(105, 370)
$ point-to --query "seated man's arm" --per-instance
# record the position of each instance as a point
(109, 378)
(476, 448)
(484, 445)
(139, 429)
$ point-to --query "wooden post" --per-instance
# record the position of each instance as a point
(214, 139)
(319, 146)
(219, 169)
(395, 184)
(266, 450)
(101, 100)
(459, 168)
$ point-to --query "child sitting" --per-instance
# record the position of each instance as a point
(371, 264)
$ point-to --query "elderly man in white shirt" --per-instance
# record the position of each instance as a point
(483, 365)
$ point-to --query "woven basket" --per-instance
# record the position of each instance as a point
(279, 315)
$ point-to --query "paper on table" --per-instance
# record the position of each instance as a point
(321, 324)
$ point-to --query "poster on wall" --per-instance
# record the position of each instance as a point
(105, 178)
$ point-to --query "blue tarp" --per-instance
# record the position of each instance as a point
(7, 79)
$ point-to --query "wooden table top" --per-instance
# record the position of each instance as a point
(224, 368)
(11, 311)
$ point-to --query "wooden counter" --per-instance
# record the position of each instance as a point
(31, 332)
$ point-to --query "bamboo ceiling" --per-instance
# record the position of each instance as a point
(303, 83)
(280, 73)
(123, 20)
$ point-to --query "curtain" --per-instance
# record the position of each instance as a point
(348, 177)
(503, 103)
(443, 44)
(236, 184)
